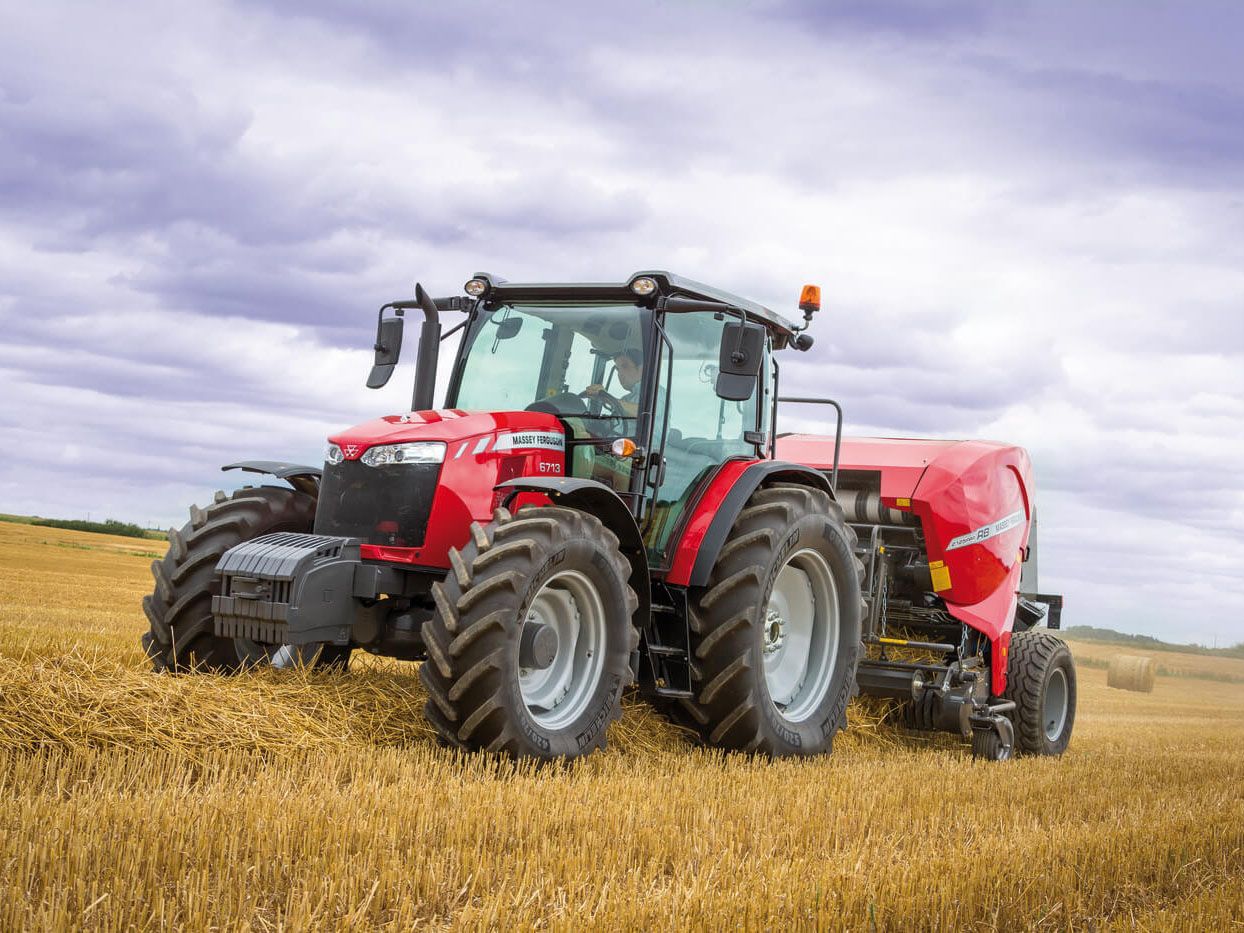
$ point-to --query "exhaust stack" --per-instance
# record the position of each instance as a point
(429, 348)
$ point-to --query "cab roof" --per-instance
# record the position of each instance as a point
(669, 286)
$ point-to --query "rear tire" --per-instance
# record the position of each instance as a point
(530, 645)
(181, 636)
(1041, 679)
(776, 633)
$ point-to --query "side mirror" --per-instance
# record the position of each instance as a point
(742, 352)
(388, 349)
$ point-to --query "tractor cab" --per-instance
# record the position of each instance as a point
(656, 381)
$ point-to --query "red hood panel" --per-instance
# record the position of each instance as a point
(442, 424)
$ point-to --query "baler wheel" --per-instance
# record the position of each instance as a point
(179, 610)
(996, 743)
(530, 644)
(776, 633)
(1041, 679)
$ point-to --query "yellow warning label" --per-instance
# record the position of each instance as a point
(903, 503)
(940, 574)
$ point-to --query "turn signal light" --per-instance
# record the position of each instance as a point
(810, 298)
(623, 447)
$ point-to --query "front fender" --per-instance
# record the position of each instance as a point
(302, 478)
(718, 507)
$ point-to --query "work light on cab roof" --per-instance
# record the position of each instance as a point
(606, 497)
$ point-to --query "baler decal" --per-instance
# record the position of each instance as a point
(985, 532)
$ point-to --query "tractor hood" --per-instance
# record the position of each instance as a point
(415, 509)
(490, 431)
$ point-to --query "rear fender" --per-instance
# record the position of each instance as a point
(303, 478)
(718, 507)
(595, 498)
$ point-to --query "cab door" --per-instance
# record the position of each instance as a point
(704, 430)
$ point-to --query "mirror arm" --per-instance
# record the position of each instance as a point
(397, 311)
(738, 356)
(453, 330)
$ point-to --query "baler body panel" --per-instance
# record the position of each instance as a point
(900, 461)
(973, 506)
(974, 503)
(482, 450)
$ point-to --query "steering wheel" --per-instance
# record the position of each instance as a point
(564, 403)
(596, 404)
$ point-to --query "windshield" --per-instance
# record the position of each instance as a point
(579, 361)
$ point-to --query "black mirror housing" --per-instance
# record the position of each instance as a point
(388, 349)
(742, 353)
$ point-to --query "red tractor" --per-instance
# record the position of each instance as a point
(604, 499)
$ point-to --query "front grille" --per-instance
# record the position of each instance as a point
(387, 505)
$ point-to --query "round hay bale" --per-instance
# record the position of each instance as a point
(1131, 672)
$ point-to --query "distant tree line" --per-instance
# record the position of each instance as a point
(109, 527)
(1092, 633)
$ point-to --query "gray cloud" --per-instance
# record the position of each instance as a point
(1028, 225)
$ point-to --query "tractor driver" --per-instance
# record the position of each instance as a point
(629, 365)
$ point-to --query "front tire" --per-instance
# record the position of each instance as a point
(530, 644)
(776, 633)
(181, 636)
(1041, 679)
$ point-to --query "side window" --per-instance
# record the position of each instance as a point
(704, 430)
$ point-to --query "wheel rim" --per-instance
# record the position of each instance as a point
(570, 605)
(800, 635)
(283, 657)
(1054, 710)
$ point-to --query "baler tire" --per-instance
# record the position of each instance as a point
(991, 745)
(733, 707)
(473, 638)
(1035, 660)
(181, 637)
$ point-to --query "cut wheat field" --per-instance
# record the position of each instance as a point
(289, 800)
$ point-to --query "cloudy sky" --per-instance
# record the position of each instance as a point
(1027, 218)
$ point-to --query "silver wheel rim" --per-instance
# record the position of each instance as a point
(1054, 710)
(570, 605)
(799, 641)
(282, 657)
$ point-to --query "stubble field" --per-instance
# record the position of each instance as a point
(292, 801)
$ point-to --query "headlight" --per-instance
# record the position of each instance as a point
(333, 454)
(418, 452)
